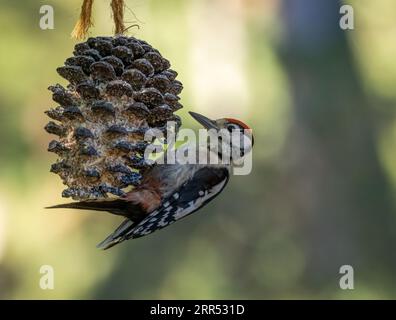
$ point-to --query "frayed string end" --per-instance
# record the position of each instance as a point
(82, 26)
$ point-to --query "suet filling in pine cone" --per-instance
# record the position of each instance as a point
(119, 87)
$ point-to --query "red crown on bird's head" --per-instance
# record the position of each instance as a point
(238, 122)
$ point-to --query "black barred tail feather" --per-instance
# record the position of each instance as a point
(117, 236)
(118, 207)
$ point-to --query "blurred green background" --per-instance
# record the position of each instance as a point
(322, 104)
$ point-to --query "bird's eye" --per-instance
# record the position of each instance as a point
(232, 127)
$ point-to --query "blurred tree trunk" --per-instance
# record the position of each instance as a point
(332, 175)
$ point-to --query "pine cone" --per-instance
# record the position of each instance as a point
(119, 87)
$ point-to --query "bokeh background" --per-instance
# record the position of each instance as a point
(322, 104)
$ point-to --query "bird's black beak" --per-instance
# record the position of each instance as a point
(206, 122)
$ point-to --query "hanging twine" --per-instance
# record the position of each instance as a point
(118, 15)
(83, 24)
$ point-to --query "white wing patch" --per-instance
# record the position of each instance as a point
(171, 212)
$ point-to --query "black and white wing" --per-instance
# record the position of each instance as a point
(204, 186)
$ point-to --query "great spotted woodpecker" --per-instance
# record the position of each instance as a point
(169, 192)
